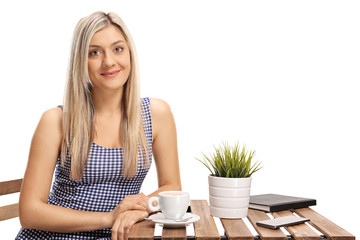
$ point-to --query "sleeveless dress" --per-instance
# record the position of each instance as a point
(101, 188)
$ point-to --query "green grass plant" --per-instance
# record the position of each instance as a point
(230, 161)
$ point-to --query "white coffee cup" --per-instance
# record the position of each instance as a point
(173, 204)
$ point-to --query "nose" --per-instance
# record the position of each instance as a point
(108, 60)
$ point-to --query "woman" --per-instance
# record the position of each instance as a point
(101, 143)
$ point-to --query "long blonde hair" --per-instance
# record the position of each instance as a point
(79, 111)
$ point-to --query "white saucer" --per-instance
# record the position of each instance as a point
(168, 223)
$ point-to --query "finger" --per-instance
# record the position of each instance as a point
(140, 198)
(121, 230)
(124, 227)
(117, 232)
(136, 206)
(127, 229)
(144, 200)
(139, 205)
(133, 206)
(129, 226)
(143, 204)
(114, 230)
(126, 234)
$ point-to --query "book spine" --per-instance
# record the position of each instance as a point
(292, 206)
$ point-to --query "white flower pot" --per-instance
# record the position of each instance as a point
(229, 197)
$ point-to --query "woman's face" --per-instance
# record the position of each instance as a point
(109, 59)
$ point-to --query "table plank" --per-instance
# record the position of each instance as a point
(300, 231)
(236, 229)
(330, 229)
(265, 233)
(205, 228)
(143, 230)
(176, 233)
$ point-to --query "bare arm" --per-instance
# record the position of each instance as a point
(35, 213)
(165, 147)
(165, 153)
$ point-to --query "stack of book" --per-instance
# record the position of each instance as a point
(275, 202)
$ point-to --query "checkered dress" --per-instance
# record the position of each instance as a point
(101, 188)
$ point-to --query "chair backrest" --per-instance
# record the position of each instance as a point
(12, 210)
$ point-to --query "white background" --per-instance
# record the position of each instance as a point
(279, 76)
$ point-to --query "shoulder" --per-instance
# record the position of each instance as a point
(52, 116)
(48, 135)
(162, 117)
(159, 108)
(51, 122)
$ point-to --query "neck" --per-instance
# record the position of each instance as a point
(107, 102)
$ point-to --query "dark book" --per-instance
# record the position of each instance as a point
(276, 202)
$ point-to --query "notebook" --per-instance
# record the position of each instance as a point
(275, 202)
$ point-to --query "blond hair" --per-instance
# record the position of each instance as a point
(79, 111)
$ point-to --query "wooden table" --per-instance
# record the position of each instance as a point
(236, 229)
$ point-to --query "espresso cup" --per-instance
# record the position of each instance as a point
(173, 204)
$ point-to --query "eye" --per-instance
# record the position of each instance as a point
(118, 49)
(94, 53)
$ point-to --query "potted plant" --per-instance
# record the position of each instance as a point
(230, 180)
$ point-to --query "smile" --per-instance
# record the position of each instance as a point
(110, 74)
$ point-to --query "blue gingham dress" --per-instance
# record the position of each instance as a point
(101, 188)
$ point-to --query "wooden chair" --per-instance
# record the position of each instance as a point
(12, 210)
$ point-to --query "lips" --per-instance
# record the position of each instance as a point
(110, 74)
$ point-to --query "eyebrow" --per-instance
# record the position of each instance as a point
(114, 43)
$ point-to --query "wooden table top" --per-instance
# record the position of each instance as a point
(236, 229)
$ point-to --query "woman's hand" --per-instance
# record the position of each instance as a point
(131, 202)
(124, 222)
